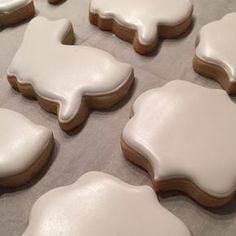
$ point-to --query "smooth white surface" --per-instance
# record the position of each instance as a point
(103, 129)
(217, 44)
(144, 16)
(99, 204)
(187, 131)
(7, 6)
(65, 73)
(21, 142)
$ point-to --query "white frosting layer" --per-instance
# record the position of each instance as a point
(98, 205)
(65, 73)
(21, 142)
(217, 44)
(144, 16)
(7, 6)
(187, 131)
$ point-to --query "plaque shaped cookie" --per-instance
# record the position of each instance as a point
(215, 55)
(14, 11)
(183, 135)
(67, 80)
(142, 22)
(24, 148)
(99, 204)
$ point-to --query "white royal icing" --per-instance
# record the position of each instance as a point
(187, 131)
(99, 204)
(144, 16)
(65, 73)
(217, 44)
(21, 142)
(7, 6)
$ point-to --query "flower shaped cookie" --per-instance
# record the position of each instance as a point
(215, 55)
(66, 79)
(24, 148)
(14, 11)
(142, 22)
(99, 204)
(183, 135)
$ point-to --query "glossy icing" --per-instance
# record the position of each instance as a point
(21, 142)
(187, 131)
(217, 44)
(65, 73)
(7, 6)
(144, 16)
(99, 204)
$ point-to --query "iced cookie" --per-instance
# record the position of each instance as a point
(24, 148)
(14, 11)
(183, 135)
(99, 204)
(67, 80)
(142, 22)
(215, 55)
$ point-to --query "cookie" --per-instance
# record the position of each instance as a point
(142, 22)
(216, 52)
(99, 204)
(14, 11)
(25, 148)
(66, 80)
(185, 141)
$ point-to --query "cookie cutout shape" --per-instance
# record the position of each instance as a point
(99, 204)
(25, 148)
(216, 52)
(66, 80)
(142, 22)
(14, 11)
(183, 135)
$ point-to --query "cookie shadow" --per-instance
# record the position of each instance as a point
(37, 177)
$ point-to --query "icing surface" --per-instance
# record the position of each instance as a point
(65, 73)
(21, 142)
(99, 204)
(187, 131)
(217, 44)
(144, 16)
(7, 6)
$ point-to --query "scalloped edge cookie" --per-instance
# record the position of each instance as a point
(204, 64)
(145, 158)
(213, 71)
(109, 205)
(110, 23)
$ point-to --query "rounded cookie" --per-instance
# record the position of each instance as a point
(216, 52)
(24, 148)
(67, 80)
(99, 204)
(14, 11)
(183, 135)
(142, 22)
